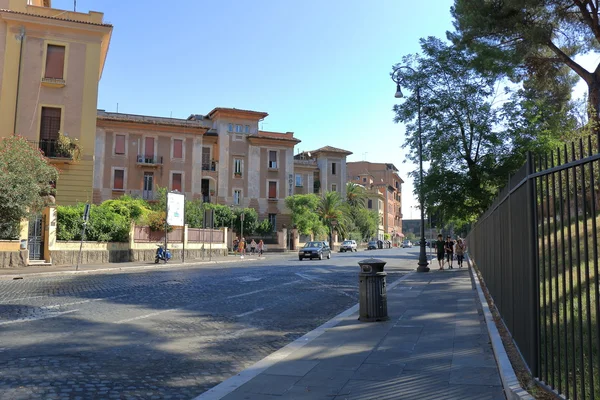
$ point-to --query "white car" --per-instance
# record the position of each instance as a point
(407, 243)
(348, 245)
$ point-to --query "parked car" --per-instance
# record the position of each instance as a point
(314, 250)
(407, 243)
(348, 245)
(372, 245)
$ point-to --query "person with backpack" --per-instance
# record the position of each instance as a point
(449, 247)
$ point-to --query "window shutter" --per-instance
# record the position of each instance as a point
(177, 148)
(176, 185)
(149, 147)
(55, 62)
(50, 124)
(119, 144)
(118, 179)
(272, 190)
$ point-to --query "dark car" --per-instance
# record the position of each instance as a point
(314, 250)
(372, 245)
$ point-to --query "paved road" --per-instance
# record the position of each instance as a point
(169, 334)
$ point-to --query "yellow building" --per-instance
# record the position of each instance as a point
(51, 62)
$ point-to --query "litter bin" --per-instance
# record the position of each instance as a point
(372, 291)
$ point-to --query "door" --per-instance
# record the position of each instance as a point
(206, 164)
(149, 150)
(35, 242)
(148, 191)
(205, 190)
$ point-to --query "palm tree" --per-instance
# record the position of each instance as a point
(356, 195)
(332, 212)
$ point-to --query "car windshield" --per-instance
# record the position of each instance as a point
(314, 244)
(347, 242)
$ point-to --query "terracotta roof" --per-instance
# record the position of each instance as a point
(288, 136)
(331, 149)
(145, 119)
(55, 18)
(257, 113)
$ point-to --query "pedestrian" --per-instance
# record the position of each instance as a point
(261, 246)
(242, 247)
(440, 247)
(449, 251)
(252, 246)
(460, 252)
(236, 242)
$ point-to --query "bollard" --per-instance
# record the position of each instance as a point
(372, 291)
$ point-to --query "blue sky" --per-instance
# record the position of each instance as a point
(319, 68)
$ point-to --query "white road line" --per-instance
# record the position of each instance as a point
(249, 312)
(145, 316)
(81, 302)
(21, 298)
(261, 290)
(30, 319)
(315, 280)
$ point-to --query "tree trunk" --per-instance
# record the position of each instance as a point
(594, 104)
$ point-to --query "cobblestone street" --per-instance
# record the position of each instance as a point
(166, 334)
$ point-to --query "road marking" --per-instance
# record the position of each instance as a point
(81, 302)
(261, 290)
(249, 312)
(315, 280)
(30, 319)
(145, 316)
(21, 298)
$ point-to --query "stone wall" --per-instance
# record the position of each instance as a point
(69, 257)
(13, 259)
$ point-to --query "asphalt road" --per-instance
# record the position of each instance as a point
(166, 334)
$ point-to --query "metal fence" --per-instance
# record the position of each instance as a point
(196, 235)
(537, 250)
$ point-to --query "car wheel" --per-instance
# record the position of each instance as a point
(320, 256)
(300, 258)
(329, 255)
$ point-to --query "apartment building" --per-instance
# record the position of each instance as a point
(375, 201)
(51, 61)
(321, 170)
(384, 179)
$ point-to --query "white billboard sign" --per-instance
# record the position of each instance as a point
(175, 207)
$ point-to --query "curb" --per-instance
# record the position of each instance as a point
(512, 387)
(229, 385)
(158, 267)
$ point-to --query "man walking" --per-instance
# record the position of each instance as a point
(440, 246)
(449, 251)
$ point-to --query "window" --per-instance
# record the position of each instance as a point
(273, 221)
(333, 187)
(238, 167)
(370, 203)
(50, 123)
(206, 161)
(176, 181)
(364, 179)
(55, 62)
(272, 189)
(273, 159)
(230, 128)
(238, 129)
(333, 169)
(237, 196)
(118, 179)
(247, 129)
(120, 144)
(298, 180)
(177, 148)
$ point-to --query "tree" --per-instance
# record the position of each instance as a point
(332, 214)
(366, 221)
(534, 38)
(356, 195)
(304, 217)
(25, 181)
(463, 137)
(250, 220)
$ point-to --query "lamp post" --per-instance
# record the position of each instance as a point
(231, 228)
(396, 77)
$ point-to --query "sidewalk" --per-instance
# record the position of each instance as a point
(12, 273)
(435, 346)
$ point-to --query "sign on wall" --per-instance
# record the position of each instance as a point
(290, 184)
(175, 208)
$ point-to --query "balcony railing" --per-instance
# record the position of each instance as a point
(149, 160)
(53, 149)
(209, 166)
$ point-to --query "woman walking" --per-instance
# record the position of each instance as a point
(260, 247)
(460, 252)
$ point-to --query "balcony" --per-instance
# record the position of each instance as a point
(149, 161)
(209, 166)
(53, 149)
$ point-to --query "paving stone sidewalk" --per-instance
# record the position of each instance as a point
(435, 346)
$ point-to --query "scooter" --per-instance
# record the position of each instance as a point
(162, 254)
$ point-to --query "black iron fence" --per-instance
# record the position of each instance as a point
(52, 148)
(537, 250)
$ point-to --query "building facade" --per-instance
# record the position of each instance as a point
(384, 179)
(221, 157)
(51, 62)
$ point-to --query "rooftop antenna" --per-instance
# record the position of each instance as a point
(117, 107)
(171, 114)
(74, 5)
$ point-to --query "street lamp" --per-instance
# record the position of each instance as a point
(396, 77)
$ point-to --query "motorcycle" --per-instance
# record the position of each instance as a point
(162, 254)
